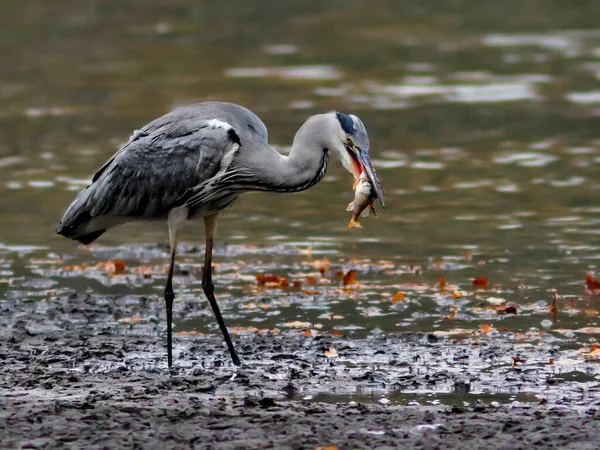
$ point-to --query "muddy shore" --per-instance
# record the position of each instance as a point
(69, 380)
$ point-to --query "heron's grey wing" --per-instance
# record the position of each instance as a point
(155, 171)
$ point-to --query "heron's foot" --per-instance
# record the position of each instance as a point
(235, 359)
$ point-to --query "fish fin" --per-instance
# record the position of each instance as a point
(372, 208)
(354, 223)
(365, 213)
(350, 206)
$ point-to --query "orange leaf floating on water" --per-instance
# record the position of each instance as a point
(349, 278)
(480, 281)
(297, 324)
(592, 312)
(456, 294)
(311, 281)
(321, 265)
(329, 447)
(593, 354)
(486, 328)
(442, 283)
(261, 278)
(571, 304)
(399, 297)
(553, 309)
(130, 320)
(189, 333)
(591, 283)
(331, 353)
(272, 281)
(72, 268)
(115, 267)
(310, 292)
(336, 333)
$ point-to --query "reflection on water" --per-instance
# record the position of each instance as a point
(484, 131)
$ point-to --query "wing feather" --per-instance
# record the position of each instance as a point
(155, 171)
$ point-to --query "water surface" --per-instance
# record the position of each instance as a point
(484, 130)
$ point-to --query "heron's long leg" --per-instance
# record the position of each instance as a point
(209, 288)
(169, 297)
(177, 217)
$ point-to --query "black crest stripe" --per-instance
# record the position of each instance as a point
(346, 122)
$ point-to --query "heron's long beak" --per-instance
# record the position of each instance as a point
(365, 162)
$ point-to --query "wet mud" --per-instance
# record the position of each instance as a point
(71, 381)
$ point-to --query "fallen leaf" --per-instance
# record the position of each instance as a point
(591, 283)
(130, 320)
(297, 324)
(329, 447)
(571, 304)
(593, 354)
(273, 281)
(517, 360)
(553, 309)
(310, 292)
(442, 283)
(349, 278)
(584, 330)
(336, 333)
(115, 267)
(486, 328)
(321, 265)
(456, 294)
(311, 281)
(399, 297)
(480, 281)
(592, 312)
(331, 353)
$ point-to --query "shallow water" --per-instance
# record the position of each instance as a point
(484, 131)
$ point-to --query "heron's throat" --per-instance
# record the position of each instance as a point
(297, 173)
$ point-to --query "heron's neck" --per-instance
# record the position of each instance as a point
(307, 162)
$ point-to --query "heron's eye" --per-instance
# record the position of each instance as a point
(348, 139)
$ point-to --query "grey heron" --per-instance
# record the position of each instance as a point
(194, 162)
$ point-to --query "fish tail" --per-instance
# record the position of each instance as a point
(354, 223)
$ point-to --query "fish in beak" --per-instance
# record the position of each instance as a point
(361, 162)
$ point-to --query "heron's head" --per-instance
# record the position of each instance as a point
(354, 150)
